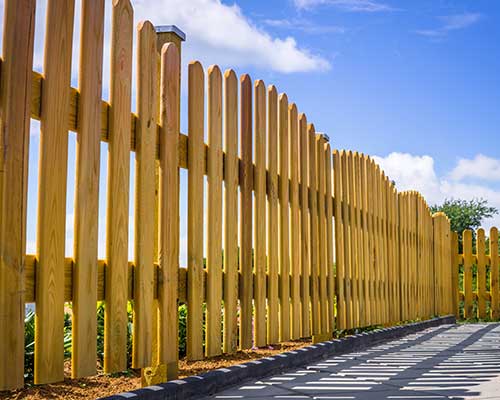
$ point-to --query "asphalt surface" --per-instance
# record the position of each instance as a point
(445, 362)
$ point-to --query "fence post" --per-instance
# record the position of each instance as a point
(454, 273)
(442, 263)
(15, 102)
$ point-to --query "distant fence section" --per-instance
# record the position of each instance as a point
(475, 269)
(288, 239)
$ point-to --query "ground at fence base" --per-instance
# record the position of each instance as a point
(219, 379)
(107, 385)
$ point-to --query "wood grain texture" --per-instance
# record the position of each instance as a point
(246, 186)
(196, 149)
(260, 214)
(145, 188)
(349, 318)
(51, 225)
(272, 217)
(353, 240)
(468, 262)
(88, 145)
(341, 322)
(481, 273)
(284, 223)
(168, 219)
(214, 214)
(15, 96)
(295, 261)
(115, 318)
(313, 235)
(305, 260)
(230, 340)
(495, 304)
(329, 238)
(363, 201)
(322, 285)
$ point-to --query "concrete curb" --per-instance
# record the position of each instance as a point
(214, 381)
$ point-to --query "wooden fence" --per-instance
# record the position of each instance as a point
(475, 275)
(293, 243)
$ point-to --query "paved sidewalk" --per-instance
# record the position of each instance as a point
(445, 362)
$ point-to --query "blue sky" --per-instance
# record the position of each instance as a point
(414, 83)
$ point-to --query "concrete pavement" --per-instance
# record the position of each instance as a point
(445, 362)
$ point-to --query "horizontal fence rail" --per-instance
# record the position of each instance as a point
(288, 239)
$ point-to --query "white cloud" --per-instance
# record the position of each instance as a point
(222, 34)
(451, 23)
(346, 5)
(413, 172)
(480, 167)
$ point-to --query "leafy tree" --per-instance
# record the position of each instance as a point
(465, 214)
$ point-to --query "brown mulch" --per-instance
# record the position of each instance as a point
(106, 385)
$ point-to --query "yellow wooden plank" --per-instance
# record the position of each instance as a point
(230, 340)
(144, 235)
(313, 235)
(329, 238)
(115, 319)
(51, 229)
(305, 327)
(284, 223)
(260, 214)
(272, 217)
(378, 244)
(246, 186)
(339, 242)
(295, 260)
(371, 241)
(15, 94)
(196, 94)
(168, 219)
(353, 232)
(214, 214)
(468, 261)
(349, 309)
(481, 273)
(495, 304)
(84, 350)
(323, 299)
(366, 237)
(454, 274)
(359, 238)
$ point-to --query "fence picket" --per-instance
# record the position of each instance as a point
(53, 164)
(145, 163)
(329, 238)
(294, 222)
(304, 226)
(196, 166)
(246, 185)
(468, 261)
(495, 306)
(168, 219)
(272, 217)
(214, 214)
(481, 274)
(341, 322)
(313, 235)
(230, 331)
(15, 96)
(260, 214)
(284, 225)
(322, 286)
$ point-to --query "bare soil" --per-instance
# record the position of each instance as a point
(106, 385)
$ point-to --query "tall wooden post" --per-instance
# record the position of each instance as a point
(160, 373)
